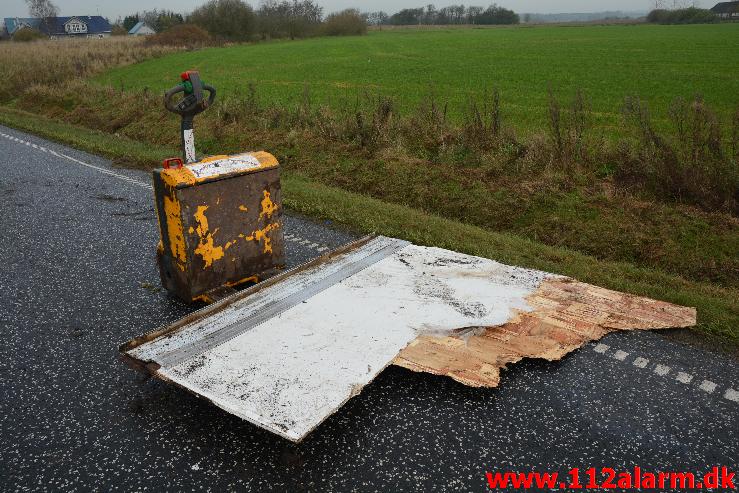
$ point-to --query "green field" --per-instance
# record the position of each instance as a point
(658, 63)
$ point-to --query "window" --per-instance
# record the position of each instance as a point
(76, 27)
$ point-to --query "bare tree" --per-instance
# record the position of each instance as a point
(43, 9)
(472, 13)
(229, 19)
(430, 16)
(377, 18)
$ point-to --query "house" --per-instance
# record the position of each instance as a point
(727, 10)
(11, 25)
(77, 27)
(141, 29)
(61, 27)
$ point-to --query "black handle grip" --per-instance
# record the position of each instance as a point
(211, 94)
(189, 106)
(168, 101)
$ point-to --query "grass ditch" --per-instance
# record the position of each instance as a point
(718, 313)
(634, 200)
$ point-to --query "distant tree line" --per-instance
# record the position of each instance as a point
(690, 15)
(237, 20)
(453, 14)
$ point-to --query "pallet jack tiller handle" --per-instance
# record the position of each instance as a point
(193, 103)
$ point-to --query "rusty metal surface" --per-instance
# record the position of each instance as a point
(218, 232)
(566, 314)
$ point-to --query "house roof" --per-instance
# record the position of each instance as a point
(137, 27)
(95, 24)
(13, 23)
(725, 7)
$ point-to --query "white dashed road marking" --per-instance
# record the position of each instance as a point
(664, 370)
(601, 348)
(683, 377)
(122, 177)
(708, 386)
(620, 355)
(641, 362)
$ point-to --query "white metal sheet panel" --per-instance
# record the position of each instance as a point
(290, 373)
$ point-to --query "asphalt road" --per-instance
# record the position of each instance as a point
(78, 278)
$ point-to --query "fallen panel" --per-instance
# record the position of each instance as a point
(565, 314)
(287, 353)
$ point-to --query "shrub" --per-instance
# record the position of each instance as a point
(296, 19)
(27, 34)
(229, 19)
(689, 166)
(496, 15)
(118, 31)
(348, 22)
(184, 35)
(568, 129)
(691, 15)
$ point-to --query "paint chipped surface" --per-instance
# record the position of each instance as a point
(260, 236)
(175, 231)
(206, 248)
(268, 207)
(565, 315)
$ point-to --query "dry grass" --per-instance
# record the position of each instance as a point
(612, 200)
(48, 62)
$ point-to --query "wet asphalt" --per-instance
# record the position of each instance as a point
(79, 277)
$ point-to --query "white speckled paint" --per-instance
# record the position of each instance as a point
(293, 371)
(240, 162)
(188, 137)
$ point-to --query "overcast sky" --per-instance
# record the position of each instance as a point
(112, 9)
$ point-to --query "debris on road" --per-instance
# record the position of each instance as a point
(289, 352)
(565, 315)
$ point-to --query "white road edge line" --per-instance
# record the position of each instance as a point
(128, 179)
(82, 163)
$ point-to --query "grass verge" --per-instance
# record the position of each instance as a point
(718, 311)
